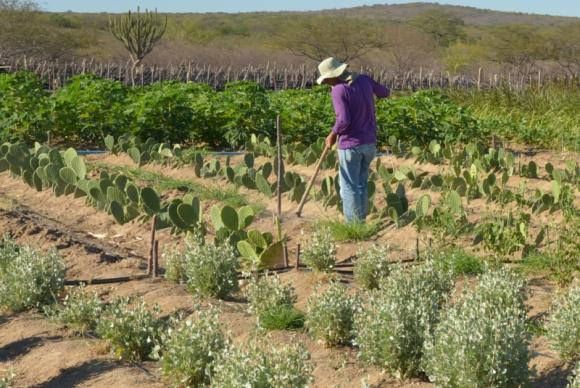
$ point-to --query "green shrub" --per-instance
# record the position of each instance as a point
(425, 116)
(249, 366)
(482, 341)
(320, 253)
(392, 326)
(267, 292)
(161, 111)
(211, 270)
(79, 311)
(132, 330)
(459, 262)
(24, 108)
(189, 350)
(372, 267)
(88, 108)
(28, 278)
(330, 314)
(350, 231)
(281, 317)
(245, 109)
(564, 325)
(307, 114)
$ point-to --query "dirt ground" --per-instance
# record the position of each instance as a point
(44, 354)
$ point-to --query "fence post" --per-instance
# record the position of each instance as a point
(280, 173)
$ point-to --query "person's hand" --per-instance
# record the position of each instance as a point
(330, 139)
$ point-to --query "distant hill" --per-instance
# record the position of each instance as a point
(470, 15)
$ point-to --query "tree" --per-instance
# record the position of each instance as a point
(564, 47)
(318, 38)
(406, 48)
(139, 32)
(443, 26)
(519, 46)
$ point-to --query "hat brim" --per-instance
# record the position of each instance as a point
(332, 74)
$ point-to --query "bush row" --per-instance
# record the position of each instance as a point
(88, 108)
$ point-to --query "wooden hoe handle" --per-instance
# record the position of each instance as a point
(316, 170)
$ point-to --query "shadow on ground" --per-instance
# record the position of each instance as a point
(556, 378)
(74, 375)
(23, 346)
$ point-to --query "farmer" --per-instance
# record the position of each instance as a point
(356, 131)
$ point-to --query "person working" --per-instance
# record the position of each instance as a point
(356, 131)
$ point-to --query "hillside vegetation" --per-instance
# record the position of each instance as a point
(398, 37)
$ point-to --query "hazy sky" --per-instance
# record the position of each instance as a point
(552, 7)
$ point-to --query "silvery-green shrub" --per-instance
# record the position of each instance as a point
(391, 327)
(320, 253)
(372, 267)
(267, 292)
(131, 329)
(208, 270)
(28, 278)
(564, 325)
(80, 311)
(285, 366)
(176, 259)
(482, 340)
(189, 349)
(330, 314)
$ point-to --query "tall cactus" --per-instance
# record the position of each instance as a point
(139, 32)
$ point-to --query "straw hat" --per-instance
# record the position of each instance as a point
(330, 68)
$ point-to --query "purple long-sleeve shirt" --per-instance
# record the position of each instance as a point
(354, 106)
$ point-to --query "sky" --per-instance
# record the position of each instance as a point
(550, 7)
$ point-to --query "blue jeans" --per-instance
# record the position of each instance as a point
(354, 166)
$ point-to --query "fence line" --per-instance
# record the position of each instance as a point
(56, 73)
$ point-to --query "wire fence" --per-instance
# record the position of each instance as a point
(56, 73)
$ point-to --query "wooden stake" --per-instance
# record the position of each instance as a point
(156, 259)
(297, 256)
(279, 182)
(311, 183)
(417, 248)
(151, 263)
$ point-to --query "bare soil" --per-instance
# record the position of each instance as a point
(44, 354)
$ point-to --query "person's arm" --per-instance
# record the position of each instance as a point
(379, 90)
(340, 104)
(342, 113)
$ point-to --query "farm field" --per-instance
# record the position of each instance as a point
(428, 201)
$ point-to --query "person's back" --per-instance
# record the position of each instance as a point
(355, 109)
(355, 128)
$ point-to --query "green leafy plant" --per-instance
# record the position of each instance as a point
(80, 311)
(391, 327)
(563, 325)
(189, 349)
(250, 366)
(320, 253)
(482, 341)
(131, 329)
(371, 268)
(28, 278)
(352, 231)
(330, 314)
(459, 262)
(210, 270)
(267, 292)
(504, 235)
(282, 317)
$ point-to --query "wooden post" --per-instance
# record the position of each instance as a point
(152, 261)
(417, 248)
(297, 256)
(479, 79)
(280, 173)
(156, 259)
